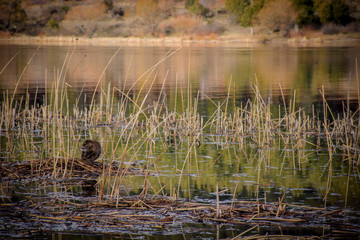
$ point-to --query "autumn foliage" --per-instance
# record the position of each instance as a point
(278, 15)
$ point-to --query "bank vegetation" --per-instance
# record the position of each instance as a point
(193, 19)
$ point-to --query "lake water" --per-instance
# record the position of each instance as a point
(210, 72)
(208, 69)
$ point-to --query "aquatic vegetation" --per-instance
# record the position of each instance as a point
(127, 126)
(165, 146)
(132, 134)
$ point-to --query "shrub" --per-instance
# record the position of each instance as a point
(195, 7)
(244, 10)
(251, 11)
(340, 12)
(335, 11)
(278, 15)
(237, 7)
(109, 4)
(323, 10)
(148, 11)
(11, 15)
(53, 24)
(330, 29)
(305, 12)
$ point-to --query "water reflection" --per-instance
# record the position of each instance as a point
(208, 69)
(252, 175)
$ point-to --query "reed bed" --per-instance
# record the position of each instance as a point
(128, 125)
(56, 128)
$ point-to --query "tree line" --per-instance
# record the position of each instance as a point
(282, 14)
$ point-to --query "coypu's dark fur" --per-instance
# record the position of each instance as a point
(90, 150)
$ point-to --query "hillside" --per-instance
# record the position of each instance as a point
(210, 19)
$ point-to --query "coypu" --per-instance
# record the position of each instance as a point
(90, 150)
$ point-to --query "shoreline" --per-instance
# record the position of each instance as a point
(225, 40)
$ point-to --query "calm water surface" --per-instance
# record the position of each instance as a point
(208, 69)
(213, 71)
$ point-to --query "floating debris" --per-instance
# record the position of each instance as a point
(53, 168)
(159, 213)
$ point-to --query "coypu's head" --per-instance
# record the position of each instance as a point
(90, 150)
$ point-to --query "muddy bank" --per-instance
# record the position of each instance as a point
(231, 40)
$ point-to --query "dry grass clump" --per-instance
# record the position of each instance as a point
(209, 31)
(84, 20)
(307, 32)
(180, 25)
(86, 12)
(331, 28)
(188, 25)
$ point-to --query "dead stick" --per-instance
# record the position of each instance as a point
(218, 214)
(245, 232)
(332, 212)
(280, 219)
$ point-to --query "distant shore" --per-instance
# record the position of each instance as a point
(227, 40)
